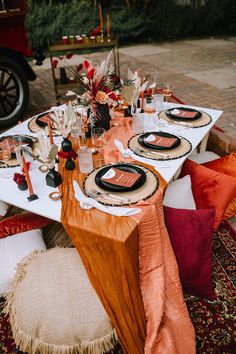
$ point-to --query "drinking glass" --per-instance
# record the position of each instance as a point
(5, 155)
(85, 159)
(167, 91)
(158, 101)
(138, 122)
(98, 142)
(76, 129)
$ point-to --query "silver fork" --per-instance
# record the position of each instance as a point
(109, 195)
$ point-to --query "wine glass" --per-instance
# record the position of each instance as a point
(98, 141)
(167, 91)
(5, 155)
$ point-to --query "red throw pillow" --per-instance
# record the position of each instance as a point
(226, 165)
(190, 233)
(20, 223)
(211, 189)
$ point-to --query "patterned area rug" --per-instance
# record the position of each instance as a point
(214, 321)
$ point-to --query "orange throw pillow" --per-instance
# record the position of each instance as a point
(226, 165)
(211, 189)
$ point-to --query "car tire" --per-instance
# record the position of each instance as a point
(14, 92)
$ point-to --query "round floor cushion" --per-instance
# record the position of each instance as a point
(54, 309)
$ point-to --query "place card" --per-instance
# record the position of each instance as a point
(120, 178)
(184, 114)
(161, 141)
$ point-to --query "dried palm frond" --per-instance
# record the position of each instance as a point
(52, 155)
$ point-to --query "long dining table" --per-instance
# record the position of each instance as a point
(129, 260)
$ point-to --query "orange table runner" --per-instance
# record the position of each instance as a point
(108, 247)
(132, 267)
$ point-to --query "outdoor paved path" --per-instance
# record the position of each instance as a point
(202, 72)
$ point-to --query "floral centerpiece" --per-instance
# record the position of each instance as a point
(98, 84)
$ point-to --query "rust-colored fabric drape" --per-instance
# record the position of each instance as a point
(131, 265)
(169, 328)
(108, 247)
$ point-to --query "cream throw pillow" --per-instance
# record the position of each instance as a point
(179, 194)
(54, 309)
(13, 249)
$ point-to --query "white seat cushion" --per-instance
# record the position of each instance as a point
(179, 194)
(13, 249)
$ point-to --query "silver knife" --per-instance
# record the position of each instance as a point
(35, 157)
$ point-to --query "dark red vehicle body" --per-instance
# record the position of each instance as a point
(14, 68)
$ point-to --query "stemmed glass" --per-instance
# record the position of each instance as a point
(98, 141)
(5, 155)
(167, 91)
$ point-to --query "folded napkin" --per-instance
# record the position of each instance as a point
(127, 153)
(124, 152)
(89, 203)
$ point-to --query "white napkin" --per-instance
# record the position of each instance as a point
(89, 203)
(124, 152)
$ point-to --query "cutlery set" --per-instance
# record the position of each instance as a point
(106, 195)
(150, 153)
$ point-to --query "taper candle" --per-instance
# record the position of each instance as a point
(50, 131)
(108, 26)
(100, 16)
(142, 100)
(27, 176)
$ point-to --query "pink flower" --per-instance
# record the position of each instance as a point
(101, 97)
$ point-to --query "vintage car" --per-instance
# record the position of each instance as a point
(15, 71)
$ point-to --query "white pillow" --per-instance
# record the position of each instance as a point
(13, 249)
(204, 156)
(3, 208)
(179, 194)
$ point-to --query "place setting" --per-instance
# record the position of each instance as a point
(186, 117)
(41, 122)
(159, 145)
(9, 145)
(120, 184)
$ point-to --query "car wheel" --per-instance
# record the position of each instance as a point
(14, 92)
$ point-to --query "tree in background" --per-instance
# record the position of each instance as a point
(131, 20)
